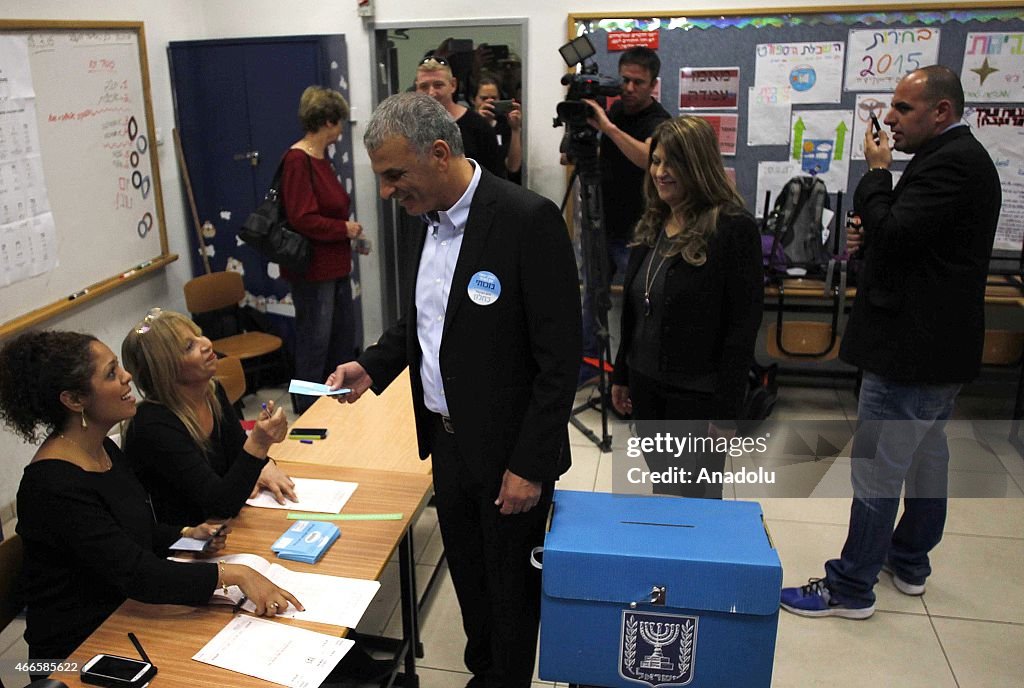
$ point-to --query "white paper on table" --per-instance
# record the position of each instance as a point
(321, 496)
(327, 599)
(275, 652)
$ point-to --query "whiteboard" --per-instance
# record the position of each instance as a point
(99, 166)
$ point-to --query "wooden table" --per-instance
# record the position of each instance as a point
(375, 432)
(171, 634)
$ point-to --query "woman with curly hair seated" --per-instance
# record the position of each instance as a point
(89, 536)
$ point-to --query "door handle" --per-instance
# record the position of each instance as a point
(252, 156)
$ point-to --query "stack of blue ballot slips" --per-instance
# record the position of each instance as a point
(306, 541)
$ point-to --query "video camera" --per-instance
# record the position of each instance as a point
(587, 84)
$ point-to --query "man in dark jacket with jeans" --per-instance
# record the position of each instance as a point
(916, 331)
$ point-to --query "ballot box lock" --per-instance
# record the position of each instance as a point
(657, 597)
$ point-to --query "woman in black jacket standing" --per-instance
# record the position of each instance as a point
(693, 296)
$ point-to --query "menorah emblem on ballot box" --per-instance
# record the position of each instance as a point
(658, 649)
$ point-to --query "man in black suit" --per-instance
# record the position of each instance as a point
(491, 334)
(916, 331)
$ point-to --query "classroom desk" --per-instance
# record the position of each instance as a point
(1001, 290)
(171, 634)
(375, 432)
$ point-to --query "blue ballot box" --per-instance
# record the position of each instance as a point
(663, 591)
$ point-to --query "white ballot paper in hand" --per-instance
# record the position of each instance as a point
(275, 652)
(321, 496)
(315, 389)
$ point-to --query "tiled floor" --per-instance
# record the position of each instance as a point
(966, 631)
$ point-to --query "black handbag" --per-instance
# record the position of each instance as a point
(266, 230)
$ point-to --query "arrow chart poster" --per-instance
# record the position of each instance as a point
(993, 70)
(821, 144)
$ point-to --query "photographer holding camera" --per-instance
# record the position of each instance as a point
(625, 145)
(506, 120)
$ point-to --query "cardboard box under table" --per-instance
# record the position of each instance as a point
(658, 590)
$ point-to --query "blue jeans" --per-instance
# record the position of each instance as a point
(618, 257)
(324, 328)
(900, 439)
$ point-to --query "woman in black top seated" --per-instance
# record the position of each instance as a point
(185, 442)
(89, 536)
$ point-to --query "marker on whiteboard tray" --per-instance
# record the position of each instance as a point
(126, 275)
(143, 265)
(78, 294)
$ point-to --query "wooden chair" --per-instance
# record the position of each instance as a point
(213, 302)
(12, 555)
(803, 340)
(231, 375)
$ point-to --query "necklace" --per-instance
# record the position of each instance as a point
(649, 279)
(105, 463)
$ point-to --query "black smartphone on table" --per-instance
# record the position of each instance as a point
(308, 432)
(117, 672)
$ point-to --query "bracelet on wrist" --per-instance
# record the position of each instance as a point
(878, 168)
(223, 582)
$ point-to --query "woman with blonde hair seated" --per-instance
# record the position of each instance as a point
(186, 442)
(89, 535)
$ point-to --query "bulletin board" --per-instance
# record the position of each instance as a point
(81, 211)
(791, 91)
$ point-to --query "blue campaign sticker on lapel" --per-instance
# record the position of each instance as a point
(484, 288)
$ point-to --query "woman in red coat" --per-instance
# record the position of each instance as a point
(319, 208)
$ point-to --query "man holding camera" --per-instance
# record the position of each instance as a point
(626, 131)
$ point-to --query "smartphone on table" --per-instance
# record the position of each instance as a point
(117, 672)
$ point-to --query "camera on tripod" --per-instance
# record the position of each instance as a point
(587, 84)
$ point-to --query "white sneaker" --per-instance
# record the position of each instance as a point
(902, 585)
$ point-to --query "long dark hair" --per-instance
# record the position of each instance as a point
(691, 151)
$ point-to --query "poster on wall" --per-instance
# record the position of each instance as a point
(993, 68)
(28, 235)
(714, 88)
(814, 71)
(768, 110)
(624, 40)
(868, 103)
(1001, 131)
(876, 59)
(725, 127)
(821, 145)
(772, 176)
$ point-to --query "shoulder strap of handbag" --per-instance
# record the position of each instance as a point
(275, 183)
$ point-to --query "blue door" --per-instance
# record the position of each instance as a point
(236, 105)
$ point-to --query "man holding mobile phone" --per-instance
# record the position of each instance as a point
(506, 120)
(916, 332)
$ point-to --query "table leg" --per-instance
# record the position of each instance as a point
(410, 622)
